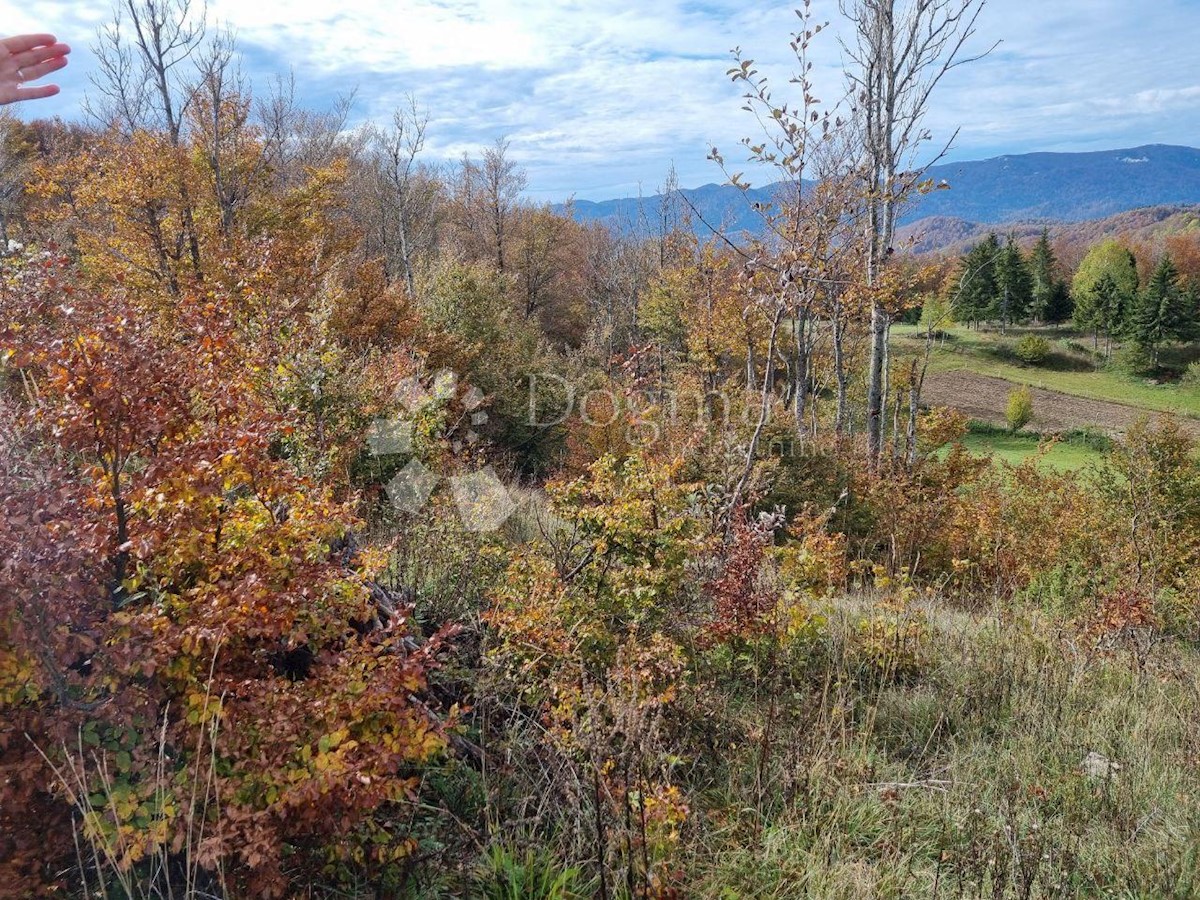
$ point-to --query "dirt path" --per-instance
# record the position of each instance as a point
(984, 397)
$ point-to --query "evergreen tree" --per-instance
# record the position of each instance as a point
(1014, 285)
(1043, 282)
(1160, 314)
(1104, 289)
(976, 287)
(1104, 308)
(1061, 306)
(1189, 329)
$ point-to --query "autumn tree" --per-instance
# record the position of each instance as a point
(545, 260)
(18, 149)
(794, 278)
(486, 192)
(1184, 250)
(405, 192)
(237, 151)
(146, 80)
(119, 203)
(185, 612)
(614, 270)
(1103, 289)
(899, 54)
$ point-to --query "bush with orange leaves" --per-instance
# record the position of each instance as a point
(1015, 524)
(185, 624)
(589, 631)
(905, 518)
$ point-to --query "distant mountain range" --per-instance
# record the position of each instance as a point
(1144, 224)
(1029, 188)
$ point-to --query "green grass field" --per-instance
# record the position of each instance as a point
(1067, 370)
(1063, 455)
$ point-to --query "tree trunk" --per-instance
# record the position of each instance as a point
(801, 370)
(914, 405)
(839, 371)
(875, 384)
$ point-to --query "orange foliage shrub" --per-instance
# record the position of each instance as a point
(588, 629)
(182, 614)
(1017, 522)
(743, 606)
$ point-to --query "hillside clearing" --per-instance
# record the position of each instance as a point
(1069, 371)
(983, 397)
(1063, 456)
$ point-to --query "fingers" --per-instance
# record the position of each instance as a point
(22, 42)
(27, 59)
(40, 70)
(15, 95)
(37, 93)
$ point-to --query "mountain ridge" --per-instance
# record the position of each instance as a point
(1046, 187)
(946, 234)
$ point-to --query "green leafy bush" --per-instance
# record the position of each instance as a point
(1032, 349)
(1134, 359)
(1019, 410)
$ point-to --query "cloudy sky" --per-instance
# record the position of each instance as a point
(599, 97)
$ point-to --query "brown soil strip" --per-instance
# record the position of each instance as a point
(983, 397)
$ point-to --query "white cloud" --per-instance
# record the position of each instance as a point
(363, 37)
(599, 97)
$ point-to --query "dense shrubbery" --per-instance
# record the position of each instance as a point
(1032, 349)
(229, 683)
(1191, 376)
(711, 645)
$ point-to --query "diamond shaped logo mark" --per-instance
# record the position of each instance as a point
(389, 437)
(484, 503)
(445, 385)
(473, 399)
(410, 489)
(412, 394)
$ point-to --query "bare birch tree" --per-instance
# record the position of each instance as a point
(486, 194)
(794, 270)
(901, 50)
(408, 194)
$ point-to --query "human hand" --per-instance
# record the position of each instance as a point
(25, 58)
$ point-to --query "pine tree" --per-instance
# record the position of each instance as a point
(1104, 289)
(1159, 315)
(976, 288)
(1061, 307)
(1043, 282)
(1105, 309)
(1189, 329)
(1014, 285)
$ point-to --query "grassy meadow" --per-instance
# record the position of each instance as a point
(1072, 372)
(1071, 367)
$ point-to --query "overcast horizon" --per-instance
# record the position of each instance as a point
(599, 99)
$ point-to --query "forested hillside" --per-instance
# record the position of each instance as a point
(1149, 225)
(1007, 190)
(371, 531)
